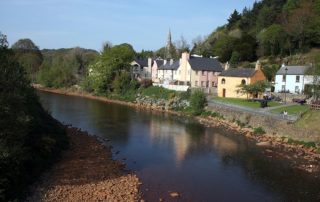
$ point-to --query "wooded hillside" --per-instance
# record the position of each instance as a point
(269, 28)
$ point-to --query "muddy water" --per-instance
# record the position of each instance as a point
(172, 154)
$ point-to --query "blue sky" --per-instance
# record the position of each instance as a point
(89, 23)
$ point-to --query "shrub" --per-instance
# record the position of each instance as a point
(259, 131)
(197, 102)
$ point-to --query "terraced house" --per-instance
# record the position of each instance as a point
(230, 79)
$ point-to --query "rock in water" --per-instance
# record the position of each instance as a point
(174, 194)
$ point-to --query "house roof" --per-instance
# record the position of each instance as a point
(142, 62)
(170, 66)
(159, 62)
(205, 64)
(245, 72)
(293, 70)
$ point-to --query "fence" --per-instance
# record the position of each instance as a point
(315, 106)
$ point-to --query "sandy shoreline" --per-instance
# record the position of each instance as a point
(86, 172)
(310, 156)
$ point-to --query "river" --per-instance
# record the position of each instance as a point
(174, 154)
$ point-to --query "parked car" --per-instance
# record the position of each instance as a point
(300, 101)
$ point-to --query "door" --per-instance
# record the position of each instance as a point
(224, 92)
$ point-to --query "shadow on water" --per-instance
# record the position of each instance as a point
(171, 153)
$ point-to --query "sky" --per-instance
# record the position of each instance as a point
(144, 24)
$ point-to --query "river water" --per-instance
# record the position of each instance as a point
(174, 154)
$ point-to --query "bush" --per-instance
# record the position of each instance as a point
(197, 102)
(259, 131)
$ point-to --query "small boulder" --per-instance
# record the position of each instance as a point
(263, 144)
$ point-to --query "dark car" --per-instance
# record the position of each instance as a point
(300, 101)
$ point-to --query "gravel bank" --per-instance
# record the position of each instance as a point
(86, 172)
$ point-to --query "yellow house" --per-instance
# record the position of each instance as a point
(230, 79)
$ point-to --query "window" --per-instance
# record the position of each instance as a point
(283, 88)
(243, 82)
(297, 90)
(223, 81)
(297, 79)
(196, 83)
(284, 78)
(207, 84)
(213, 84)
(202, 83)
(196, 72)
(203, 73)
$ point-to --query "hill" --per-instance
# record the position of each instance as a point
(271, 28)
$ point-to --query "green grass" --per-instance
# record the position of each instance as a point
(244, 102)
(309, 121)
(158, 92)
(295, 109)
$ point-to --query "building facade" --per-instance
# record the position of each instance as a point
(230, 79)
(292, 79)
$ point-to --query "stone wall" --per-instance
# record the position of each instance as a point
(269, 124)
(161, 104)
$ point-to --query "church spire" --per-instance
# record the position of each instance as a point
(168, 46)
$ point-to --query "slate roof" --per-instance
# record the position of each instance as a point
(205, 64)
(159, 62)
(245, 72)
(142, 62)
(174, 66)
(293, 70)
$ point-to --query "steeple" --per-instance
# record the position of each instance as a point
(169, 38)
(168, 46)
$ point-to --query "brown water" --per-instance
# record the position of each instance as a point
(169, 153)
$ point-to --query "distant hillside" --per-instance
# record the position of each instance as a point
(64, 67)
(276, 28)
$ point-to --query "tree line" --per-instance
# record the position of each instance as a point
(269, 28)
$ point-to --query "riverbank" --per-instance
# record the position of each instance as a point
(86, 172)
(302, 157)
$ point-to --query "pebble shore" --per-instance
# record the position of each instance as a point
(86, 172)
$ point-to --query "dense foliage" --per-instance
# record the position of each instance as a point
(65, 67)
(198, 101)
(29, 137)
(109, 71)
(29, 56)
(269, 28)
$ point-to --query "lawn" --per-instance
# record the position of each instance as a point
(244, 102)
(309, 120)
(294, 109)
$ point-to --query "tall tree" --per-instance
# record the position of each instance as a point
(233, 19)
(29, 56)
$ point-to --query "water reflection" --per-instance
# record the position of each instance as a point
(176, 154)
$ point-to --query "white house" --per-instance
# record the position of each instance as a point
(141, 68)
(292, 79)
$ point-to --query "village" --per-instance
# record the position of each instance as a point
(291, 84)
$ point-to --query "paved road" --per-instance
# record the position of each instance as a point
(260, 111)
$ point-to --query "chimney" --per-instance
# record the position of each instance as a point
(185, 56)
(149, 62)
(171, 61)
(258, 65)
(164, 62)
(227, 66)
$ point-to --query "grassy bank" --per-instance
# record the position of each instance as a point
(244, 102)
